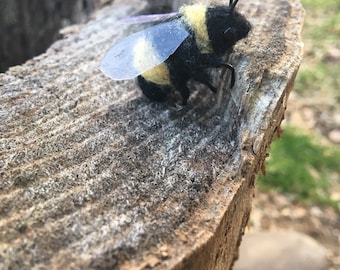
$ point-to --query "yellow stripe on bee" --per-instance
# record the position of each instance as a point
(159, 75)
(145, 57)
(195, 16)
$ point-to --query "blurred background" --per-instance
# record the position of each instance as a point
(300, 190)
(29, 27)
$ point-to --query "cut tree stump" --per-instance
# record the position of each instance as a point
(95, 176)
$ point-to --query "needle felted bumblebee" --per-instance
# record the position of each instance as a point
(178, 49)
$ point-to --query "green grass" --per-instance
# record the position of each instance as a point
(321, 33)
(301, 166)
(322, 21)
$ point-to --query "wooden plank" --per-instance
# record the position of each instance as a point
(95, 176)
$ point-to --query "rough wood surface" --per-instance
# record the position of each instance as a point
(94, 176)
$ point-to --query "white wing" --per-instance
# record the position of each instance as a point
(148, 18)
(143, 50)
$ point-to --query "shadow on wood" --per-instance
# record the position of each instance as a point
(95, 176)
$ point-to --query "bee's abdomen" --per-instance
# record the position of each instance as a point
(158, 75)
(152, 90)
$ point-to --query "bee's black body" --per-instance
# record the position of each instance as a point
(224, 27)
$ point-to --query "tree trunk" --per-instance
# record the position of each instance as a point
(29, 27)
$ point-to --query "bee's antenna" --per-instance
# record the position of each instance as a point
(232, 4)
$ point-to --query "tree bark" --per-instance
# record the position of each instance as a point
(29, 27)
(95, 176)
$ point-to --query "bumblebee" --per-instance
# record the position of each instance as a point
(181, 47)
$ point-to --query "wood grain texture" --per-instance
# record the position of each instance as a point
(95, 176)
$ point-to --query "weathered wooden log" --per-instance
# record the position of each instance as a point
(95, 176)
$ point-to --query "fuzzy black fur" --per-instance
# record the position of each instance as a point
(219, 19)
(225, 28)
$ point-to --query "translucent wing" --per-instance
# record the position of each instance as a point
(143, 50)
(148, 18)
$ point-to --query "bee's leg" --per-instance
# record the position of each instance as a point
(202, 77)
(211, 87)
(211, 60)
(182, 87)
(185, 93)
(153, 91)
(231, 68)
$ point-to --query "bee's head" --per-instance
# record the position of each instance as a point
(226, 26)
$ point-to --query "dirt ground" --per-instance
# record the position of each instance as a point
(273, 211)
